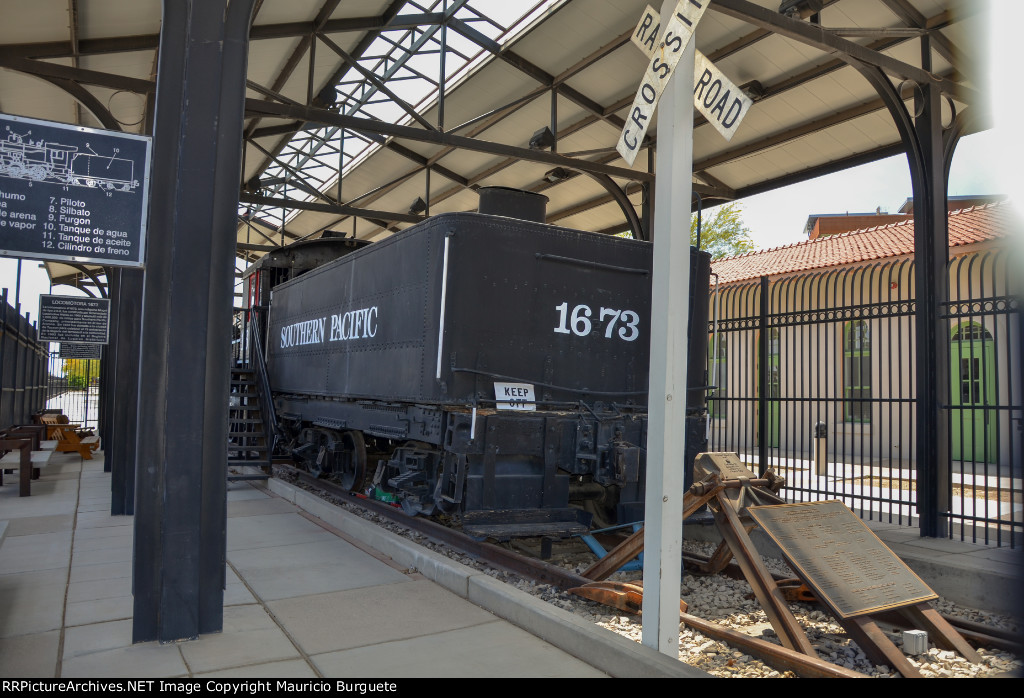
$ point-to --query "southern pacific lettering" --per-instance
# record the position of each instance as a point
(354, 324)
(300, 333)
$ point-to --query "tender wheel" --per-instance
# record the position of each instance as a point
(351, 463)
(340, 455)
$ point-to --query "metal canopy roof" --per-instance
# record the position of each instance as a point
(356, 83)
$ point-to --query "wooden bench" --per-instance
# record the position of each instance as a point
(69, 441)
(36, 432)
(54, 422)
(22, 456)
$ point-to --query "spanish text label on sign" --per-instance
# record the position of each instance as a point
(77, 350)
(72, 193)
(74, 319)
(678, 33)
(514, 396)
(720, 102)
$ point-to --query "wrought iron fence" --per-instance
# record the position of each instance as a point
(814, 376)
(22, 367)
(75, 393)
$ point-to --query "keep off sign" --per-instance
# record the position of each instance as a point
(720, 102)
(678, 34)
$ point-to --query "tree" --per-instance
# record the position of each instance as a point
(723, 234)
(80, 372)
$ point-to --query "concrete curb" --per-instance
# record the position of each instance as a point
(955, 576)
(602, 649)
(961, 581)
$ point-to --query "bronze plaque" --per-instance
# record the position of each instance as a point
(727, 465)
(840, 559)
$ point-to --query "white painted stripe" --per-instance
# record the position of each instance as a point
(444, 296)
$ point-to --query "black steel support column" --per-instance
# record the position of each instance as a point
(5, 338)
(17, 414)
(107, 368)
(931, 254)
(125, 387)
(763, 343)
(180, 513)
(108, 380)
(647, 206)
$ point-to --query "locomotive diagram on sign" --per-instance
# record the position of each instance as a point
(41, 161)
(72, 193)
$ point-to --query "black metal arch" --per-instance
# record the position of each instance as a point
(101, 288)
(929, 153)
(619, 195)
(79, 94)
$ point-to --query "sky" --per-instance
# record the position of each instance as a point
(778, 217)
(984, 163)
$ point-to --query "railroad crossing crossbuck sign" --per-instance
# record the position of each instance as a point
(722, 103)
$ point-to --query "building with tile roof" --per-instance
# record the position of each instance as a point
(818, 338)
(969, 229)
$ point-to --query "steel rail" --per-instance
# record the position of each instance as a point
(538, 570)
(546, 573)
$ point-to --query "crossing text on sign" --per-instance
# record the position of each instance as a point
(678, 33)
(720, 102)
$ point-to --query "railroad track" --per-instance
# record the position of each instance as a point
(542, 572)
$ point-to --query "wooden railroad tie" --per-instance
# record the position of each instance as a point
(839, 562)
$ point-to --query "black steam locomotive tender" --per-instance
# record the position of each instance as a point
(482, 367)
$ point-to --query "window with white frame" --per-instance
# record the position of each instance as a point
(857, 372)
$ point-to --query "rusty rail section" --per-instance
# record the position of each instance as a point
(546, 573)
(537, 570)
(627, 597)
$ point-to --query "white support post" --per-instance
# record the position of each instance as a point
(663, 531)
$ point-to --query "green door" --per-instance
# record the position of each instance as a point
(973, 386)
(773, 386)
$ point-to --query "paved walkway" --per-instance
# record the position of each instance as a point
(313, 591)
(303, 599)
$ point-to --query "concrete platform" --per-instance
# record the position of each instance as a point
(306, 597)
(313, 591)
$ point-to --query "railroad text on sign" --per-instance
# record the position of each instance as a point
(720, 102)
(678, 33)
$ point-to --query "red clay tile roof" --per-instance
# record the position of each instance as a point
(967, 226)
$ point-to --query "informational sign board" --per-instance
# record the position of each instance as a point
(72, 193)
(840, 559)
(678, 33)
(715, 96)
(74, 319)
(77, 350)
